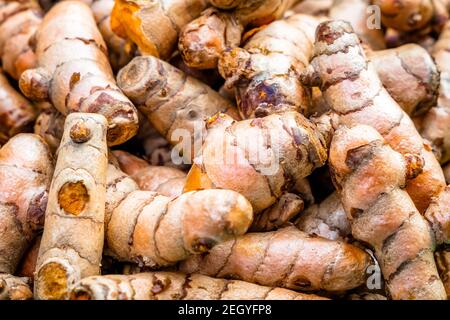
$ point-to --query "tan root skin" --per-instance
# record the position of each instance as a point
(436, 123)
(74, 73)
(205, 39)
(166, 181)
(410, 76)
(231, 164)
(16, 113)
(154, 26)
(438, 215)
(177, 286)
(173, 102)
(370, 177)
(353, 90)
(72, 242)
(157, 231)
(24, 182)
(287, 258)
(18, 23)
(265, 72)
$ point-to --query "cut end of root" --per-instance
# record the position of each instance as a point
(52, 282)
(73, 197)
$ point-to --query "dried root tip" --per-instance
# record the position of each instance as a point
(35, 84)
(177, 286)
(414, 165)
(203, 40)
(14, 288)
(232, 66)
(287, 207)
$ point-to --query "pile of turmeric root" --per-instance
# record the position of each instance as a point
(225, 149)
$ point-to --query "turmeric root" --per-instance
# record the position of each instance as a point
(120, 50)
(435, 125)
(438, 215)
(259, 158)
(18, 23)
(74, 73)
(409, 15)
(285, 258)
(166, 181)
(72, 242)
(16, 113)
(351, 87)
(203, 40)
(265, 72)
(443, 263)
(410, 76)
(408, 73)
(14, 288)
(29, 260)
(154, 25)
(50, 126)
(172, 101)
(177, 286)
(156, 231)
(369, 176)
(362, 20)
(326, 219)
(24, 181)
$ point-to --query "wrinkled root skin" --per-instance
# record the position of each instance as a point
(177, 286)
(370, 178)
